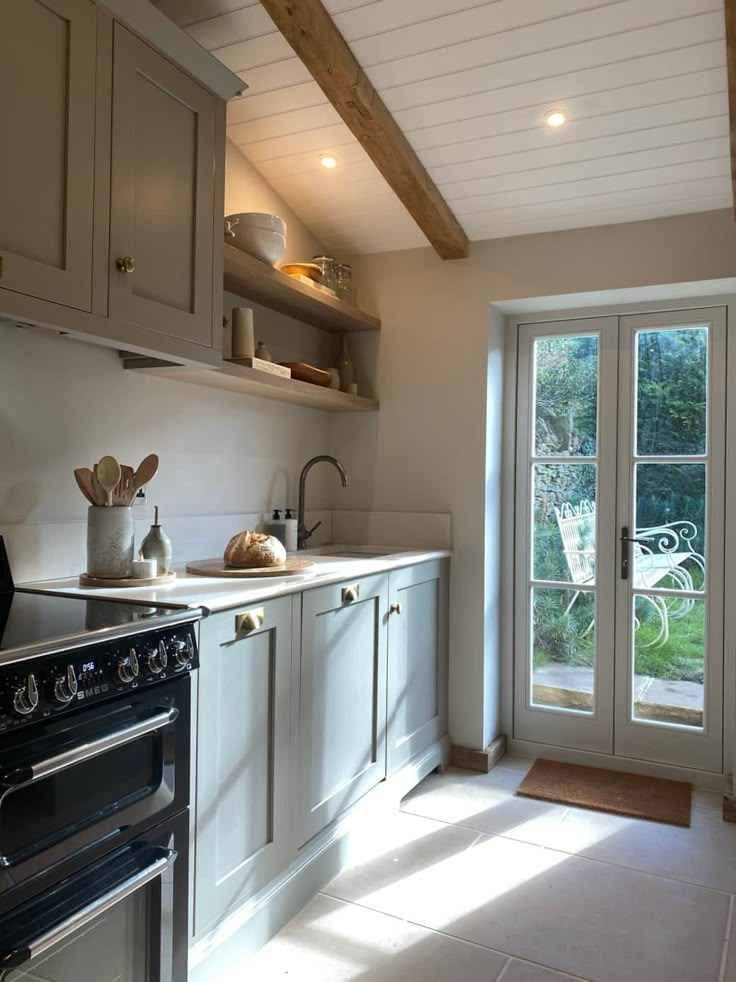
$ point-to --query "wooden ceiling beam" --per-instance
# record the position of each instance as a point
(730, 6)
(312, 34)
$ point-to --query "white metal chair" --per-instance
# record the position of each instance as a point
(671, 549)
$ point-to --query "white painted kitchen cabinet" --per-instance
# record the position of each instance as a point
(47, 118)
(242, 758)
(341, 752)
(417, 660)
(162, 195)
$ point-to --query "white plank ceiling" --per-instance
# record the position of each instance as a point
(643, 83)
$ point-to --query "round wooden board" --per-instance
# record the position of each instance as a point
(105, 581)
(216, 567)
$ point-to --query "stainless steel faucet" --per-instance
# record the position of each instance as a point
(303, 534)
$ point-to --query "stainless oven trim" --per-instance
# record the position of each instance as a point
(85, 751)
(172, 618)
(82, 917)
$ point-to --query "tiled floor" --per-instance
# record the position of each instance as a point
(471, 884)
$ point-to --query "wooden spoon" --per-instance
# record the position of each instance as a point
(108, 474)
(84, 478)
(146, 471)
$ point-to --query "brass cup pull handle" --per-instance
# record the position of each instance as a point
(395, 608)
(251, 620)
(126, 264)
(351, 593)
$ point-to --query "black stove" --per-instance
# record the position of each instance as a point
(95, 727)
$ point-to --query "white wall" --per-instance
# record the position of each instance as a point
(432, 447)
(64, 403)
(247, 190)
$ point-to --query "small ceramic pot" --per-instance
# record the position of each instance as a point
(110, 537)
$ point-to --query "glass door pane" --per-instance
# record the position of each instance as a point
(564, 671)
(668, 496)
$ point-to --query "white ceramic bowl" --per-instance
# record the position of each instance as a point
(258, 219)
(261, 243)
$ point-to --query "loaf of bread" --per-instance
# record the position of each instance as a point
(253, 549)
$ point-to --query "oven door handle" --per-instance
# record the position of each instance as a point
(20, 777)
(18, 956)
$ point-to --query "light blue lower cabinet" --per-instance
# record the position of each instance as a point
(242, 774)
(341, 751)
(417, 660)
(305, 705)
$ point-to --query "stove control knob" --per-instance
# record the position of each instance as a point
(25, 697)
(64, 686)
(180, 653)
(155, 659)
(128, 668)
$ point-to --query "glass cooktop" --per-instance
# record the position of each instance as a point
(30, 619)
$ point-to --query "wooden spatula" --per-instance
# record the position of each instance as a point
(85, 482)
(125, 492)
(146, 470)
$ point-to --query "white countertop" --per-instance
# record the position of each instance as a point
(216, 593)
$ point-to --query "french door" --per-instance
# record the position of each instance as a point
(619, 536)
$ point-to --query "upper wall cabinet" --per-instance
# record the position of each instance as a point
(111, 185)
(47, 112)
(162, 195)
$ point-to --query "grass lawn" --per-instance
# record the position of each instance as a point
(680, 658)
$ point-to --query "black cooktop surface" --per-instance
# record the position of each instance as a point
(29, 619)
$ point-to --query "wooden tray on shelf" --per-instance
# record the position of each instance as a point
(308, 373)
(216, 567)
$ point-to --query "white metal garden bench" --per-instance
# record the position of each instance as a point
(672, 548)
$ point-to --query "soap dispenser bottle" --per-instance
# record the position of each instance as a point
(157, 545)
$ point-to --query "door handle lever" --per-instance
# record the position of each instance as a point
(625, 539)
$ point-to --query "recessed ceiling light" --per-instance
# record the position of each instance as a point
(328, 160)
(555, 117)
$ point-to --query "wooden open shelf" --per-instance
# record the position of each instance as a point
(253, 280)
(251, 381)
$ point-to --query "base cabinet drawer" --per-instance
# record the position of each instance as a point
(417, 660)
(242, 785)
(341, 751)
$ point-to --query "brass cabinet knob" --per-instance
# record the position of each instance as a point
(395, 608)
(251, 620)
(126, 264)
(350, 594)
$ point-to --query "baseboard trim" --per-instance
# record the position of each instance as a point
(479, 760)
(220, 954)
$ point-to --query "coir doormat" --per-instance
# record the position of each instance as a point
(651, 798)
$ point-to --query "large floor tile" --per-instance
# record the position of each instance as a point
(330, 941)
(571, 914)
(704, 854)
(486, 802)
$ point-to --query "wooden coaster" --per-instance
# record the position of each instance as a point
(216, 567)
(106, 581)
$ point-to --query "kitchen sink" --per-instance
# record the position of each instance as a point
(355, 555)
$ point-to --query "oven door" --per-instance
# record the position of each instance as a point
(77, 786)
(120, 919)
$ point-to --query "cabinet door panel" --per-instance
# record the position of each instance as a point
(162, 194)
(47, 77)
(342, 709)
(417, 660)
(242, 800)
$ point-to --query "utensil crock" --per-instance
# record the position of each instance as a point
(110, 538)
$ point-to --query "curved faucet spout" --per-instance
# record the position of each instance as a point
(303, 534)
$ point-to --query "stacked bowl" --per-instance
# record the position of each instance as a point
(260, 235)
